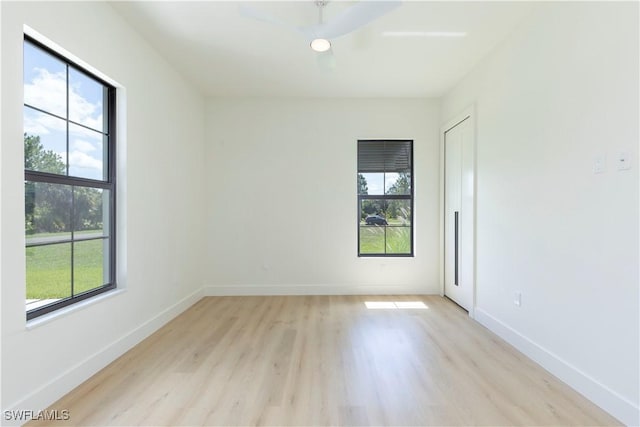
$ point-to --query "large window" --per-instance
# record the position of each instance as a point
(69, 172)
(385, 198)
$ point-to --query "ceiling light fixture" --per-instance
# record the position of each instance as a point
(424, 34)
(320, 45)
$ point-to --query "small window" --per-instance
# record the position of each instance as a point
(385, 198)
(69, 173)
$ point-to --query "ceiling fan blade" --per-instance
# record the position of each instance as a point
(358, 15)
(250, 12)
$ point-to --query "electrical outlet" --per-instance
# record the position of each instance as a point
(517, 299)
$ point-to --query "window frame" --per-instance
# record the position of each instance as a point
(409, 197)
(107, 184)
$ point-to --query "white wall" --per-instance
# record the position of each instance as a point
(160, 202)
(282, 213)
(560, 91)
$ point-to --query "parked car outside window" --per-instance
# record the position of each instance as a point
(376, 220)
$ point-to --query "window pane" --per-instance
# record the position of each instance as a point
(372, 239)
(385, 226)
(90, 212)
(372, 209)
(45, 142)
(398, 212)
(395, 212)
(47, 212)
(398, 240)
(86, 158)
(45, 81)
(397, 183)
(373, 183)
(88, 265)
(49, 272)
(86, 100)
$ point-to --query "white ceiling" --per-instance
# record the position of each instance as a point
(227, 54)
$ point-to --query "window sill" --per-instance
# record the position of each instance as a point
(49, 317)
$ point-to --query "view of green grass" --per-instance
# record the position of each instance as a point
(374, 238)
(49, 269)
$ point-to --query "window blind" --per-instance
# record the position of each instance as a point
(384, 156)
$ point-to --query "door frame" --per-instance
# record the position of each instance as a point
(468, 113)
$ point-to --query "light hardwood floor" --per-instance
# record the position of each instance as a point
(325, 360)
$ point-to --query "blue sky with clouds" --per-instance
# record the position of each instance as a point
(380, 183)
(45, 87)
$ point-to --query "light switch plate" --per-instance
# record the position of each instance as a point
(624, 161)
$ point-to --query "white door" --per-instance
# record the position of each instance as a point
(459, 214)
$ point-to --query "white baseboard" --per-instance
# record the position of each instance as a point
(616, 405)
(65, 382)
(265, 290)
